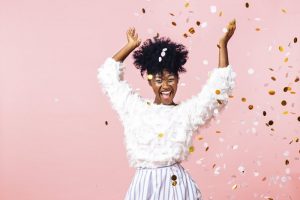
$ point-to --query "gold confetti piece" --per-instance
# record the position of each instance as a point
(264, 113)
(185, 35)
(250, 107)
(297, 79)
(264, 178)
(200, 138)
(257, 29)
(218, 131)
(173, 177)
(149, 76)
(283, 102)
(191, 149)
(213, 165)
(160, 135)
(299, 118)
(283, 10)
(192, 30)
(281, 48)
(143, 10)
(234, 186)
(296, 139)
(244, 99)
(285, 89)
(106, 123)
(174, 23)
(172, 14)
(174, 183)
(219, 101)
(206, 149)
(218, 92)
(220, 13)
(186, 4)
(271, 122)
(285, 112)
(247, 5)
(271, 69)
(287, 162)
(295, 39)
(286, 59)
(271, 92)
(198, 23)
(273, 78)
(292, 92)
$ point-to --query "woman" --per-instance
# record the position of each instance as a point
(158, 133)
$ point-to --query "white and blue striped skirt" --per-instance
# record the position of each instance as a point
(171, 182)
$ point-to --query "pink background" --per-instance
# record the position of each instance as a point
(54, 144)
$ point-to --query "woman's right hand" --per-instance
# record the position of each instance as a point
(132, 38)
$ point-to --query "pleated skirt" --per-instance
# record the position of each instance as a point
(171, 182)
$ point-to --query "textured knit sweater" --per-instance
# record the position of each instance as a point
(156, 134)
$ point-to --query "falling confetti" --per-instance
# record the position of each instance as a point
(192, 30)
(247, 5)
(106, 123)
(271, 92)
(295, 39)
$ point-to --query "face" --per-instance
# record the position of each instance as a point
(164, 87)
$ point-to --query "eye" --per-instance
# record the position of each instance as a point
(158, 81)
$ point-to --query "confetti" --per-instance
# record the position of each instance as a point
(283, 102)
(247, 5)
(150, 76)
(250, 107)
(213, 9)
(191, 149)
(218, 92)
(250, 71)
(244, 99)
(186, 4)
(198, 23)
(106, 123)
(192, 30)
(143, 10)
(287, 162)
(174, 23)
(273, 78)
(174, 183)
(271, 122)
(295, 39)
(286, 59)
(234, 186)
(271, 92)
(160, 135)
(281, 48)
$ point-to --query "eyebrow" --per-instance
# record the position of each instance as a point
(158, 76)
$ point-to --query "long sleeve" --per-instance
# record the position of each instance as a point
(211, 100)
(122, 97)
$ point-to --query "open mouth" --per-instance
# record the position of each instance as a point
(166, 95)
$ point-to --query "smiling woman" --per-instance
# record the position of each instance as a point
(158, 135)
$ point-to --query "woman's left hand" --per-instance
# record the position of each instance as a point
(230, 30)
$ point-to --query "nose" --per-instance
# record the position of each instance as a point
(165, 84)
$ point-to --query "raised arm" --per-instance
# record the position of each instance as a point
(110, 76)
(214, 95)
(223, 52)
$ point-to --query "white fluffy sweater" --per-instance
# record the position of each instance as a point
(157, 134)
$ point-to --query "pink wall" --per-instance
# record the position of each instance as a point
(54, 144)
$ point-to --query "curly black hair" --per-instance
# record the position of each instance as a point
(146, 58)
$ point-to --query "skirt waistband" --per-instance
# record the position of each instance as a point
(176, 163)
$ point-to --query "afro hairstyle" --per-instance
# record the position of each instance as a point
(146, 58)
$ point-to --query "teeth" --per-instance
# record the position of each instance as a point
(166, 92)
